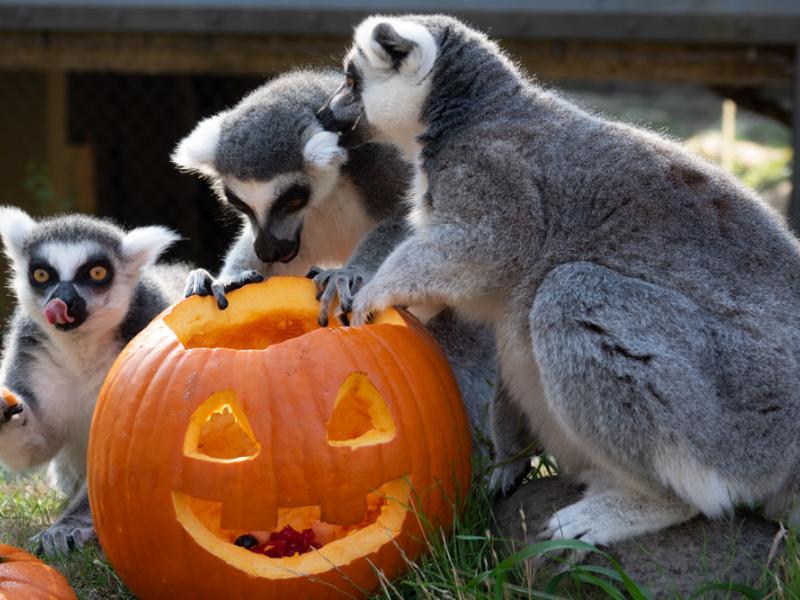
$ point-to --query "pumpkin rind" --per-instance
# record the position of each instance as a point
(25, 577)
(142, 469)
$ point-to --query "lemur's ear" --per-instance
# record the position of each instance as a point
(142, 246)
(15, 225)
(198, 150)
(394, 46)
(322, 151)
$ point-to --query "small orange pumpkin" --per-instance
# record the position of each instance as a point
(25, 577)
(213, 424)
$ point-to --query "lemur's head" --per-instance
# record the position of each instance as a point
(77, 273)
(388, 79)
(270, 158)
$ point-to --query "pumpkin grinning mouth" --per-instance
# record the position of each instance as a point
(386, 511)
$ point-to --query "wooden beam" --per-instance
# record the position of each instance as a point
(744, 65)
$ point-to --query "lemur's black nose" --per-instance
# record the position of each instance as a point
(76, 305)
(329, 121)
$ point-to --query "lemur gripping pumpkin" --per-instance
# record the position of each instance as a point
(214, 424)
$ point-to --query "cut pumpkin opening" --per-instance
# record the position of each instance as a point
(219, 431)
(258, 316)
(360, 415)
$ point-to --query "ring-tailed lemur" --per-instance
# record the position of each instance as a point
(307, 201)
(84, 288)
(655, 297)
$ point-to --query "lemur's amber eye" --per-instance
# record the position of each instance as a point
(41, 276)
(351, 81)
(296, 202)
(98, 273)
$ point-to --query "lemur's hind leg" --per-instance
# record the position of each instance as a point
(514, 443)
(625, 369)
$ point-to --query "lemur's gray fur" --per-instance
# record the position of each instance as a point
(655, 298)
(99, 287)
(351, 211)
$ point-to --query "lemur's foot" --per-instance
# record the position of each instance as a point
(10, 405)
(509, 475)
(330, 283)
(614, 515)
(202, 283)
(70, 533)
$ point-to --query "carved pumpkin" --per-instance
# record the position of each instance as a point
(25, 577)
(213, 424)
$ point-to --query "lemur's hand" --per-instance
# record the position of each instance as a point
(202, 283)
(332, 282)
(10, 405)
(370, 301)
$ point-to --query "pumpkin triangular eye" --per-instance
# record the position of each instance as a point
(360, 415)
(219, 430)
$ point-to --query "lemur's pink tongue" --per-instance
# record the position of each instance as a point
(56, 312)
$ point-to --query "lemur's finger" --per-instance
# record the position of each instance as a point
(218, 291)
(322, 281)
(201, 283)
(313, 272)
(325, 303)
(243, 279)
(356, 283)
(342, 283)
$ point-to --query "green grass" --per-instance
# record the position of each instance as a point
(472, 563)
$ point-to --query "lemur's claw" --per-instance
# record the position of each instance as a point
(201, 283)
(331, 283)
(507, 478)
(63, 537)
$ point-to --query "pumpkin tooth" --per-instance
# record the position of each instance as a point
(344, 510)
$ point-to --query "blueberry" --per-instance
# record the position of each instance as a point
(246, 541)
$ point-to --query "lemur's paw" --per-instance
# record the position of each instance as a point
(10, 405)
(71, 533)
(331, 283)
(614, 515)
(368, 303)
(508, 476)
(202, 283)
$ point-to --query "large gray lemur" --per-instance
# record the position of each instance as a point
(305, 200)
(655, 298)
(84, 288)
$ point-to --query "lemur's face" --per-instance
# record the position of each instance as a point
(387, 83)
(68, 282)
(280, 182)
(77, 273)
(275, 209)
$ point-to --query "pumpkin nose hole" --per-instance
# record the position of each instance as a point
(360, 415)
(219, 431)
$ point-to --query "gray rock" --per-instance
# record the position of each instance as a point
(675, 561)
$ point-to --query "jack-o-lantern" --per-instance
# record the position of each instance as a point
(214, 424)
(25, 577)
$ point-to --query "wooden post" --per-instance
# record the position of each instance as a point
(57, 139)
(794, 207)
(727, 146)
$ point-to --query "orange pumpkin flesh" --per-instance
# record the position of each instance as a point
(214, 423)
(25, 577)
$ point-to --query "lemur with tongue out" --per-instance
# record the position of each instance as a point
(84, 288)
